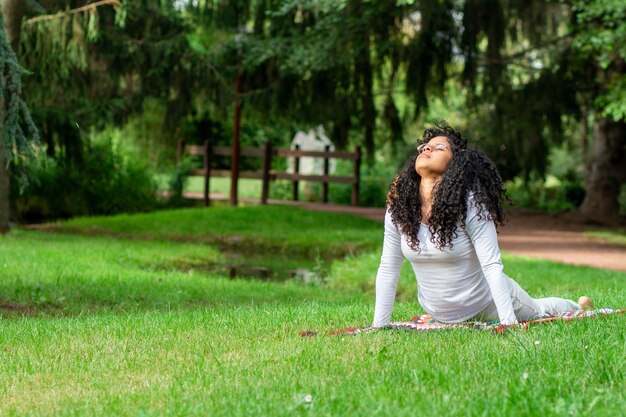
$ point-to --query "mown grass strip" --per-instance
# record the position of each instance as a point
(288, 230)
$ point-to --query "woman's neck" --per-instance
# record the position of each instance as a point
(427, 186)
(427, 196)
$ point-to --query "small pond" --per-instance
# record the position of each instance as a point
(275, 267)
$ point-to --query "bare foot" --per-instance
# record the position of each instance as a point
(585, 303)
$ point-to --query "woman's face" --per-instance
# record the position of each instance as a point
(434, 157)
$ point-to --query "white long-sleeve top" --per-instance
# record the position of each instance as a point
(454, 284)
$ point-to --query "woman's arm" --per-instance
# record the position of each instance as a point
(388, 273)
(482, 232)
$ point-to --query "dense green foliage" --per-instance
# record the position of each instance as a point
(600, 36)
(90, 71)
(93, 325)
(521, 78)
(104, 181)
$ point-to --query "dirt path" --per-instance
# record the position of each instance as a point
(547, 236)
(536, 235)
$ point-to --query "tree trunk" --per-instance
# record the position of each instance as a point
(5, 195)
(4, 191)
(607, 173)
(364, 79)
(369, 109)
(12, 14)
(5, 212)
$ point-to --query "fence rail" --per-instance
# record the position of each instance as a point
(267, 174)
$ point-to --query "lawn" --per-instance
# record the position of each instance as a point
(288, 230)
(119, 316)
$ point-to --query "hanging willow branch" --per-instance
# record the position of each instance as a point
(88, 8)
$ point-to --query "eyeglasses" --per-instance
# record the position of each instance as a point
(439, 146)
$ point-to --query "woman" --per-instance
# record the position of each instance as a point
(442, 213)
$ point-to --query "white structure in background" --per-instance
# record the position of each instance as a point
(313, 140)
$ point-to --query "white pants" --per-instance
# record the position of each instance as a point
(528, 308)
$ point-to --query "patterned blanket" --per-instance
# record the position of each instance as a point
(427, 323)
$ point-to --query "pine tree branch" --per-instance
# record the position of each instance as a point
(92, 6)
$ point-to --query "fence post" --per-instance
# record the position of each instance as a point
(180, 150)
(267, 166)
(326, 172)
(207, 171)
(357, 177)
(296, 170)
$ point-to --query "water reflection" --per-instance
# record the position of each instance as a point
(275, 268)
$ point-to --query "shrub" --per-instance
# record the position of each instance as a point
(104, 182)
(177, 182)
(551, 195)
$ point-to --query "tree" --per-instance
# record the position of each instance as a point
(20, 137)
(12, 14)
(18, 134)
(328, 62)
(98, 66)
(526, 67)
(571, 67)
(600, 39)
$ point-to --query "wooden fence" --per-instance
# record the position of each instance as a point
(267, 174)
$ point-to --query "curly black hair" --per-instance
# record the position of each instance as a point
(470, 170)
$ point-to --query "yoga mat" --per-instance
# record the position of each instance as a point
(425, 323)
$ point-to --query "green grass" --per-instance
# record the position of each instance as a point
(247, 188)
(264, 228)
(95, 325)
(65, 274)
(613, 236)
(280, 189)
